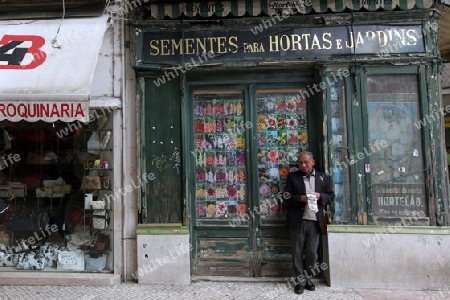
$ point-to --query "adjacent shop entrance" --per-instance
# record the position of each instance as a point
(245, 140)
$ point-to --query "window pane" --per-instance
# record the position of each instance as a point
(220, 174)
(340, 167)
(282, 134)
(395, 145)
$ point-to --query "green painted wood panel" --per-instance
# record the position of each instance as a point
(162, 126)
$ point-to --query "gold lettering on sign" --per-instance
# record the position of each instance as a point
(165, 47)
(154, 48)
(211, 43)
(177, 46)
(233, 46)
(327, 41)
(189, 46)
(285, 42)
(296, 45)
(253, 47)
(201, 45)
(351, 45)
(221, 45)
(305, 38)
(315, 43)
(413, 37)
(323, 42)
(273, 43)
(359, 40)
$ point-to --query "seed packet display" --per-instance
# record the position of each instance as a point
(200, 175)
(209, 125)
(221, 159)
(210, 141)
(210, 159)
(201, 208)
(221, 209)
(232, 208)
(220, 125)
(199, 109)
(211, 209)
(218, 107)
(200, 142)
(220, 156)
(199, 125)
(229, 124)
(272, 138)
(220, 176)
(231, 158)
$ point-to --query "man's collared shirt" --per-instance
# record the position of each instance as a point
(310, 185)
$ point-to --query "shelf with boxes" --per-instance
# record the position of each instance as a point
(98, 140)
(97, 185)
(97, 175)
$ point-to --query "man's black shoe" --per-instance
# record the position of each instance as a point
(310, 286)
(298, 289)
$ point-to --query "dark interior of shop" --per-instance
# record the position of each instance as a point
(42, 197)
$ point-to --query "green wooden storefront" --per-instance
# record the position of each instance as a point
(229, 93)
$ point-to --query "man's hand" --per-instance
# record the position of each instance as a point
(304, 198)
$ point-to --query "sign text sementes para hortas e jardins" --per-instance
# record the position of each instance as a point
(281, 43)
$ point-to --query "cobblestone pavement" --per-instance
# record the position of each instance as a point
(210, 290)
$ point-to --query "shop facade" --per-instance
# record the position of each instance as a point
(61, 126)
(230, 92)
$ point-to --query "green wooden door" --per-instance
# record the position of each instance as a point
(160, 121)
(394, 157)
(245, 140)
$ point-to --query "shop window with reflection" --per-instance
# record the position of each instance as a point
(220, 167)
(220, 150)
(282, 135)
(396, 153)
(51, 218)
(339, 167)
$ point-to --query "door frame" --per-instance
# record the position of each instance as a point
(361, 74)
(249, 82)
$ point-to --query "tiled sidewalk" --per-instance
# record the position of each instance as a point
(210, 290)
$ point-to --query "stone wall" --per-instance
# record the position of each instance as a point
(400, 260)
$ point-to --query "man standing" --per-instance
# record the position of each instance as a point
(309, 192)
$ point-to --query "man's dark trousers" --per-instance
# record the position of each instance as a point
(308, 234)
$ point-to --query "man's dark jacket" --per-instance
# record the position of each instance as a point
(295, 186)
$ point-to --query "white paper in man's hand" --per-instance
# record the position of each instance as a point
(312, 202)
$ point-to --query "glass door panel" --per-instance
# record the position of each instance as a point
(339, 167)
(394, 146)
(220, 168)
(281, 134)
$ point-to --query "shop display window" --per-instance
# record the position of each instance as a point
(395, 146)
(56, 195)
(219, 127)
(339, 168)
(282, 135)
(220, 147)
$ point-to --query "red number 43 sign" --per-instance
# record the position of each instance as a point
(12, 52)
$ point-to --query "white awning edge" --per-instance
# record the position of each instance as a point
(49, 65)
(105, 102)
(44, 97)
